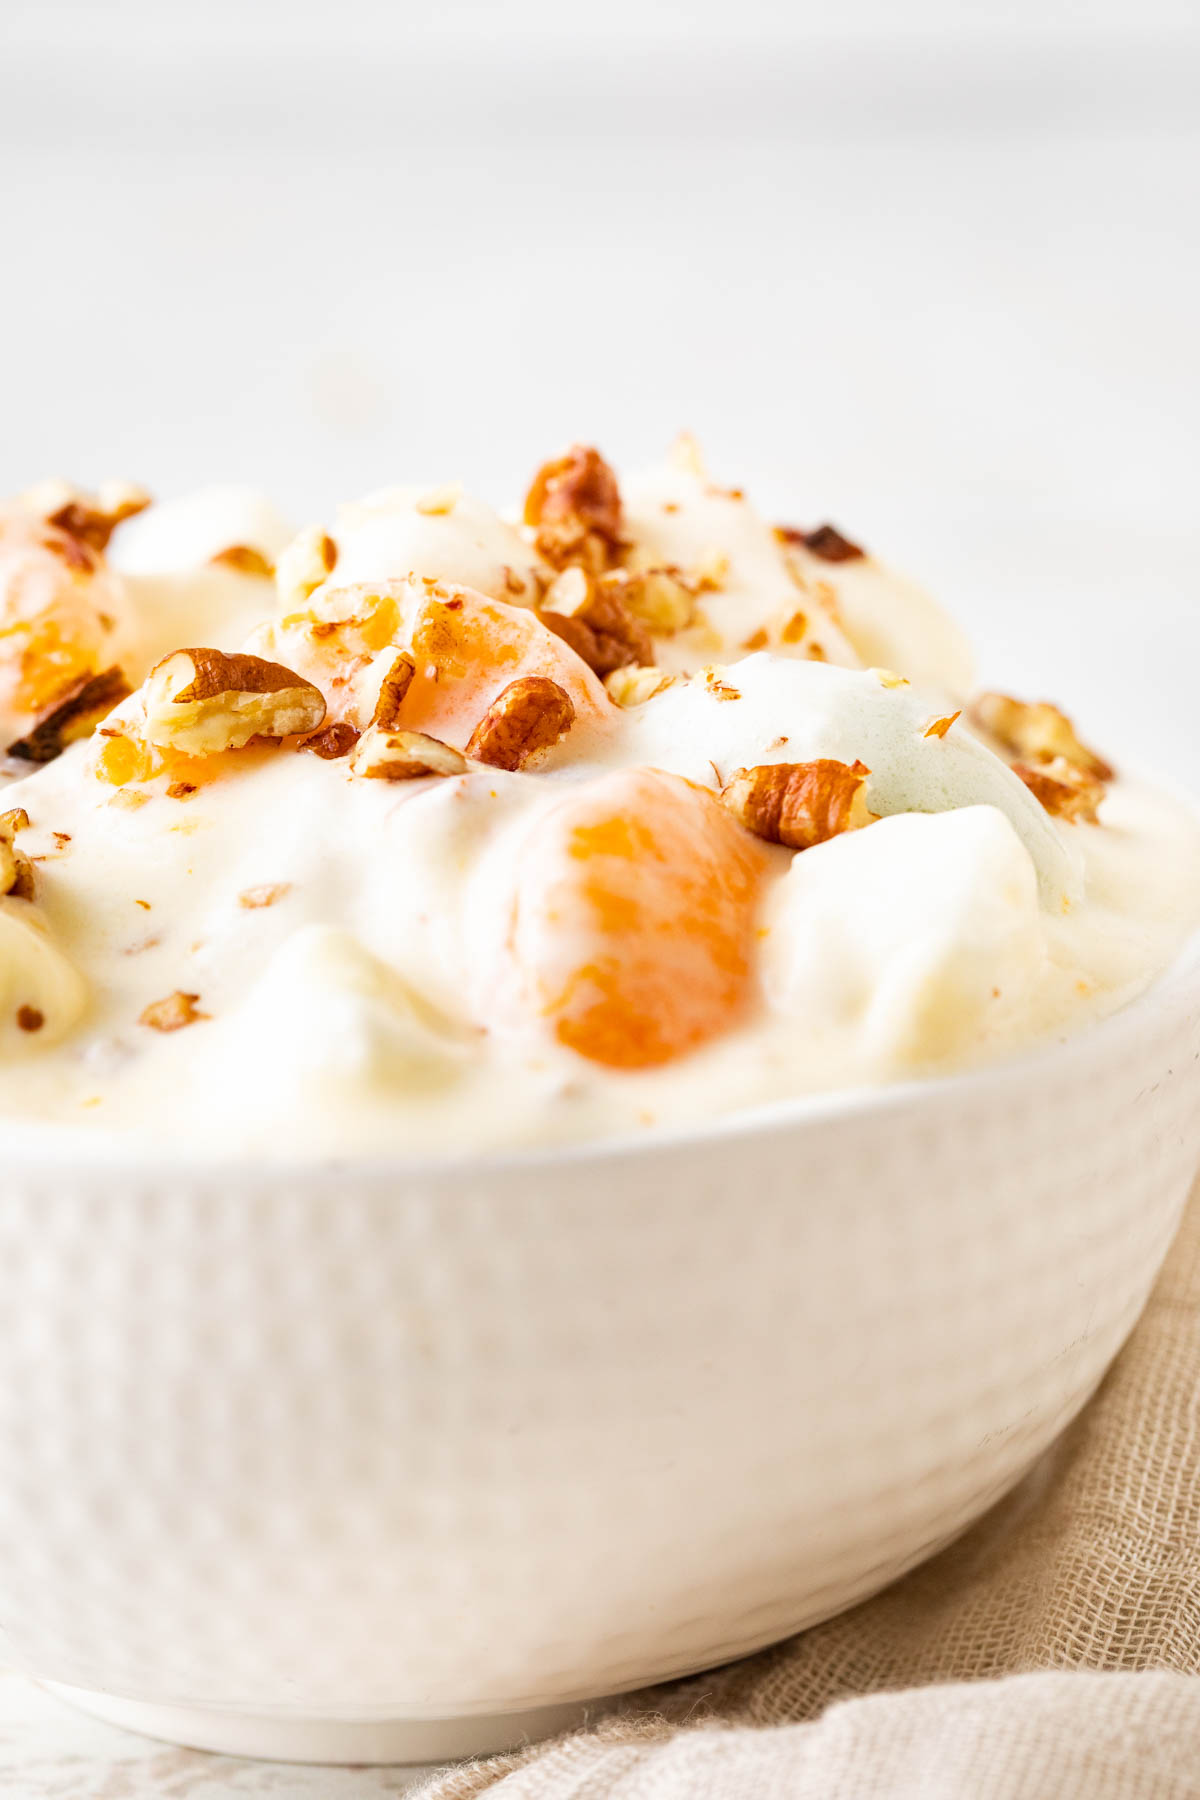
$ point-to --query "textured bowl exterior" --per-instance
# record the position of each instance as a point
(395, 1443)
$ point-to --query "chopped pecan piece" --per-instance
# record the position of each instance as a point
(593, 618)
(826, 542)
(304, 565)
(574, 507)
(334, 742)
(89, 519)
(632, 686)
(392, 690)
(527, 716)
(173, 1013)
(385, 755)
(201, 701)
(662, 597)
(1064, 789)
(799, 804)
(245, 559)
(937, 728)
(74, 716)
(1035, 731)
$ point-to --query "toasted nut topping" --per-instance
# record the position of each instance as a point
(574, 507)
(180, 790)
(593, 618)
(709, 575)
(632, 686)
(29, 1018)
(385, 755)
(795, 629)
(304, 565)
(201, 701)
(16, 870)
(1037, 732)
(527, 716)
(334, 742)
(266, 895)
(440, 500)
(937, 728)
(90, 700)
(392, 690)
(1065, 790)
(245, 559)
(173, 1013)
(685, 455)
(90, 519)
(799, 804)
(719, 689)
(663, 598)
(826, 542)
(888, 678)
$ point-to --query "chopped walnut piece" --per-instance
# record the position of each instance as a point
(201, 701)
(593, 618)
(937, 728)
(90, 519)
(334, 742)
(384, 755)
(574, 507)
(245, 559)
(29, 1018)
(304, 565)
(392, 690)
(16, 870)
(826, 542)
(799, 804)
(73, 717)
(633, 686)
(1064, 789)
(267, 895)
(173, 1013)
(527, 716)
(1036, 731)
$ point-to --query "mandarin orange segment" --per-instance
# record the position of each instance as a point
(468, 648)
(635, 918)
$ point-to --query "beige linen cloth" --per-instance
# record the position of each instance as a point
(1053, 1651)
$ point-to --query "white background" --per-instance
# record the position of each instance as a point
(930, 269)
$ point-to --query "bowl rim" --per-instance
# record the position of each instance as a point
(1172, 994)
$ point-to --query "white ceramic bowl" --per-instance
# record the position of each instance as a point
(391, 1462)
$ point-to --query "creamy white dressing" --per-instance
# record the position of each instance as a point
(348, 941)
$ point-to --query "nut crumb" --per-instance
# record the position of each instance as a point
(334, 742)
(527, 716)
(889, 679)
(826, 541)
(632, 686)
(267, 895)
(29, 1018)
(720, 690)
(800, 804)
(392, 690)
(16, 870)
(179, 790)
(383, 755)
(937, 728)
(440, 500)
(173, 1013)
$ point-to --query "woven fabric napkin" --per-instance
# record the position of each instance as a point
(1053, 1651)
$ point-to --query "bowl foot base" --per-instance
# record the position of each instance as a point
(307, 1740)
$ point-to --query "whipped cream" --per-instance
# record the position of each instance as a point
(788, 864)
